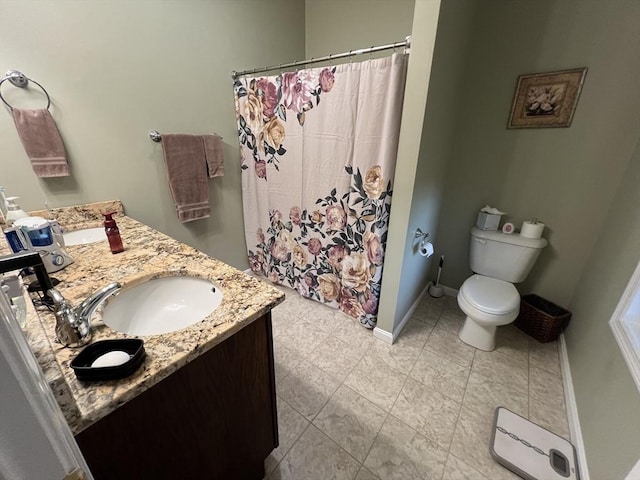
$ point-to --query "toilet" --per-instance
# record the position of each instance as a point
(488, 298)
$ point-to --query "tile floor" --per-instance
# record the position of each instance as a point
(353, 407)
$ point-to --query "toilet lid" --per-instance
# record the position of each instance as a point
(490, 295)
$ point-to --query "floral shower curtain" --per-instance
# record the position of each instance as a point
(318, 151)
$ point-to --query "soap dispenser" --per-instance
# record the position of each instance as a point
(113, 234)
(14, 212)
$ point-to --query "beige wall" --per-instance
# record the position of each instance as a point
(566, 177)
(117, 69)
(436, 142)
(581, 181)
(336, 26)
(425, 22)
(608, 399)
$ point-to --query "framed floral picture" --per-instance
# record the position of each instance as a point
(546, 99)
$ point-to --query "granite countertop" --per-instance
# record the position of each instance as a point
(148, 254)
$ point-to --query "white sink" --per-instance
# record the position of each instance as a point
(161, 305)
(84, 236)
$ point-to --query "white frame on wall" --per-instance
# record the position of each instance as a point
(625, 324)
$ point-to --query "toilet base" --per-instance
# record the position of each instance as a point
(478, 336)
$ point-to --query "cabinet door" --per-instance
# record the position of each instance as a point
(213, 418)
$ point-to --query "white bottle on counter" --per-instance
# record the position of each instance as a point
(14, 212)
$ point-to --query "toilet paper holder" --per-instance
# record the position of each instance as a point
(420, 234)
(426, 248)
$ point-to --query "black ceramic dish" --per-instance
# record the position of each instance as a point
(82, 363)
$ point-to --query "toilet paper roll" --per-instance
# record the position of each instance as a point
(426, 249)
(531, 230)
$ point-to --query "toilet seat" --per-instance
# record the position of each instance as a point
(490, 295)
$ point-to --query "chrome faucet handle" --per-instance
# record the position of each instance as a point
(70, 330)
(73, 325)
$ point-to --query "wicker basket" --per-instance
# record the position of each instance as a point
(541, 319)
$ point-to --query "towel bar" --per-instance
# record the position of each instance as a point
(157, 137)
(20, 80)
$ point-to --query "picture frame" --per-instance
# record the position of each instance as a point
(546, 99)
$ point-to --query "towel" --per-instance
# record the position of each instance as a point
(42, 142)
(184, 156)
(213, 152)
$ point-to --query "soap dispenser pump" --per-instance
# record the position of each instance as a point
(113, 234)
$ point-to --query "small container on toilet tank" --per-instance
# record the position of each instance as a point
(488, 221)
(489, 218)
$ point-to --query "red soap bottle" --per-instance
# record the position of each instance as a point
(113, 234)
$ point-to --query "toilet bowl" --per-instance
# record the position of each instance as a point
(488, 298)
(488, 303)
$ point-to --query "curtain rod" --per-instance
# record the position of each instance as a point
(406, 43)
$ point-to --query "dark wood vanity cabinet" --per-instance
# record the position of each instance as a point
(214, 418)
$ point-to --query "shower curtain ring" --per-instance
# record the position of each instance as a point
(371, 52)
(350, 57)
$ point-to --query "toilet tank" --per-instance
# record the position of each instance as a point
(503, 256)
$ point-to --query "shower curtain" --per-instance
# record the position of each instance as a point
(318, 151)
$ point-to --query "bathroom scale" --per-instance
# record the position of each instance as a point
(532, 452)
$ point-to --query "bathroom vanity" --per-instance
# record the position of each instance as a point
(213, 418)
(203, 404)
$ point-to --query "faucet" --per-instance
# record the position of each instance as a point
(73, 325)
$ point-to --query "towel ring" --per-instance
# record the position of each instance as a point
(20, 80)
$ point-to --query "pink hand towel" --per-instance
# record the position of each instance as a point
(213, 152)
(42, 142)
(184, 156)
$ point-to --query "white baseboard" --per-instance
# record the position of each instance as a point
(407, 316)
(388, 337)
(448, 291)
(383, 335)
(572, 410)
